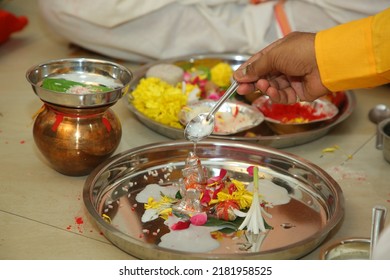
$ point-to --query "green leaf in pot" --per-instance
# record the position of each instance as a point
(63, 85)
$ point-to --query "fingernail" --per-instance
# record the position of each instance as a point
(243, 71)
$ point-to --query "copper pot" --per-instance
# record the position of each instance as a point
(75, 141)
(77, 131)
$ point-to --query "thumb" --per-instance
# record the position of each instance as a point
(259, 65)
(254, 68)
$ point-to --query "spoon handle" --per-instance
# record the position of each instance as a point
(378, 221)
(379, 138)
(224, 97)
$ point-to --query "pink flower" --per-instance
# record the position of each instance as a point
(250, 170)
(187, 77)
(213, 96)
(199, 219)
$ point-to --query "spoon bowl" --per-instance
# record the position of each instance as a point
(379, 113)
(199, 127)
(233, 116)
(202, 126)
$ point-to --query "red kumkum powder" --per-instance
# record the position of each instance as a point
(292, 113)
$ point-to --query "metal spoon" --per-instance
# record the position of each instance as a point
(376, 115)
(378, 221)
(379, 113)
(202, 125)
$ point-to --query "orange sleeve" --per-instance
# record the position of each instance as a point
(355, 54)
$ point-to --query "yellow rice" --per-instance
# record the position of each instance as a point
(159, 101)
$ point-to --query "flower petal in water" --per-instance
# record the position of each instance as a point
(181, 225)
(199, 219)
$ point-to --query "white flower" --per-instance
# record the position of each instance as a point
(254, 221)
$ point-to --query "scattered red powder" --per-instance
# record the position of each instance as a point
(337, 98)
(79, 220)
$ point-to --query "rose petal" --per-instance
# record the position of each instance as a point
(221, 175)
(181, 225)
(199, 219)
(205, 198)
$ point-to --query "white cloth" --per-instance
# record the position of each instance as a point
(157, 29)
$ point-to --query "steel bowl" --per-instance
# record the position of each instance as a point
(279, 126)
(315, 209)
(91, 71)
(237, 115)
(347, 249)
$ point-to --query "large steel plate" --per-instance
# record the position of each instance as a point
(316, 204)
(263, 134)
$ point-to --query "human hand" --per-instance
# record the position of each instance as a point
(286, 71)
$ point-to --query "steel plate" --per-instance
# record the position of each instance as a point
(315, 209)
(263, 134)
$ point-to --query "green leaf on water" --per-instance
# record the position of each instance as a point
(215, 222)
(229, 226)
(178, 195)
(63, 85)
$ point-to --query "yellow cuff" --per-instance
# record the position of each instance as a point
(345, 56)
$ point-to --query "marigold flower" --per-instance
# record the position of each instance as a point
(155, 209)
(221, 74)
(241, 196)
(225, 210)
